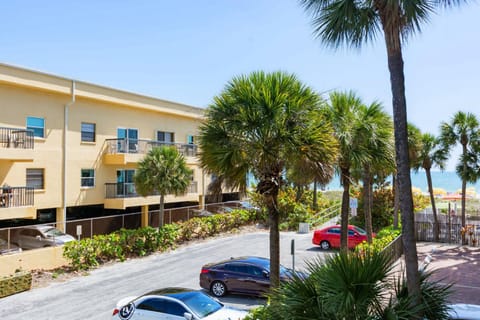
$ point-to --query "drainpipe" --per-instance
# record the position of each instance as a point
(65, 134)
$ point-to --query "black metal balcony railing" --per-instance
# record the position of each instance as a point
(16, 197)
(127, 190)
(144, 146)
(16, 138)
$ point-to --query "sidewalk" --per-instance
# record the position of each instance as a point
(455, 264)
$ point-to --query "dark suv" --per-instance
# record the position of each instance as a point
(245, 275)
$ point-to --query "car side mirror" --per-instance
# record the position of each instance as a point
(188, 316)
(38, 238)
(266, 274)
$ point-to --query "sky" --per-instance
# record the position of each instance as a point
(186, 51)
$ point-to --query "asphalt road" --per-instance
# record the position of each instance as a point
(94, 296)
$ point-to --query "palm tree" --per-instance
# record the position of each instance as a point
(354, 286)
(304, 172)
(343, 111)
(353, 23)
(262, 123)
(163, 170)
(463, 129)
(376, 129)
(432, 154)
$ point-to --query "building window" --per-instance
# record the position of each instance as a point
(88, 132)
(167, 137)
(35, 178)
(190, 139)
(37, 125)
(88, 178)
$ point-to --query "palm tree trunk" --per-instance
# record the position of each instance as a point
(345, 176)
(367, 202)
(315, 196)
(161, 209)
(397, 81)
(464, 190)
(274, 242)
(396, 202)
(436, 225)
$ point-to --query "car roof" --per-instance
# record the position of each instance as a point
(245, 259)
(339, 226)
(169, 291)
(38, 227)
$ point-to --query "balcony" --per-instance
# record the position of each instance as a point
(123, 195)
(124, 151)
(17, 203)
(16, 144)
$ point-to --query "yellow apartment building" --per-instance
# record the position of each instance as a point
(69, 148)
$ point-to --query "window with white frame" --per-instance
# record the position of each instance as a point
(87, 178)
(37, 125)
(190, 139)
(88, 132)
(164, 136)
(35, 178)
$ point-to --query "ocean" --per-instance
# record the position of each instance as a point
(446, 180)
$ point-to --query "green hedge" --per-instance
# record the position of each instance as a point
(126, 243)
(383, 238)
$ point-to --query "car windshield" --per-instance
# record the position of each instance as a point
(360, 230)
(52, 232)
(201, 304)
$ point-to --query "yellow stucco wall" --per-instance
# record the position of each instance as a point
(44, 258)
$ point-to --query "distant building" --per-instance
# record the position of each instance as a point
(69, 149)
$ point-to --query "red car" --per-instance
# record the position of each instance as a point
(329, 237)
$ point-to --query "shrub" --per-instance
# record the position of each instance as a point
(126, 243)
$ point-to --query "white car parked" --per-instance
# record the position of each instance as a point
(175, 304)
(40, 236)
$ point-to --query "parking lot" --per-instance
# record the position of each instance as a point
(95, 295)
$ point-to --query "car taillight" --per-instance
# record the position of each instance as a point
(115, 311)
(204, 271)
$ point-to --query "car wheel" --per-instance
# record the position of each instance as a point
(218, 289)
(325, 245)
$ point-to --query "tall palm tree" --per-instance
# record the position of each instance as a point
(353, 23)
(463, 129)
(344, 109)
(163, 171)
(432, 154)
(376, 129)
(262, 123)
